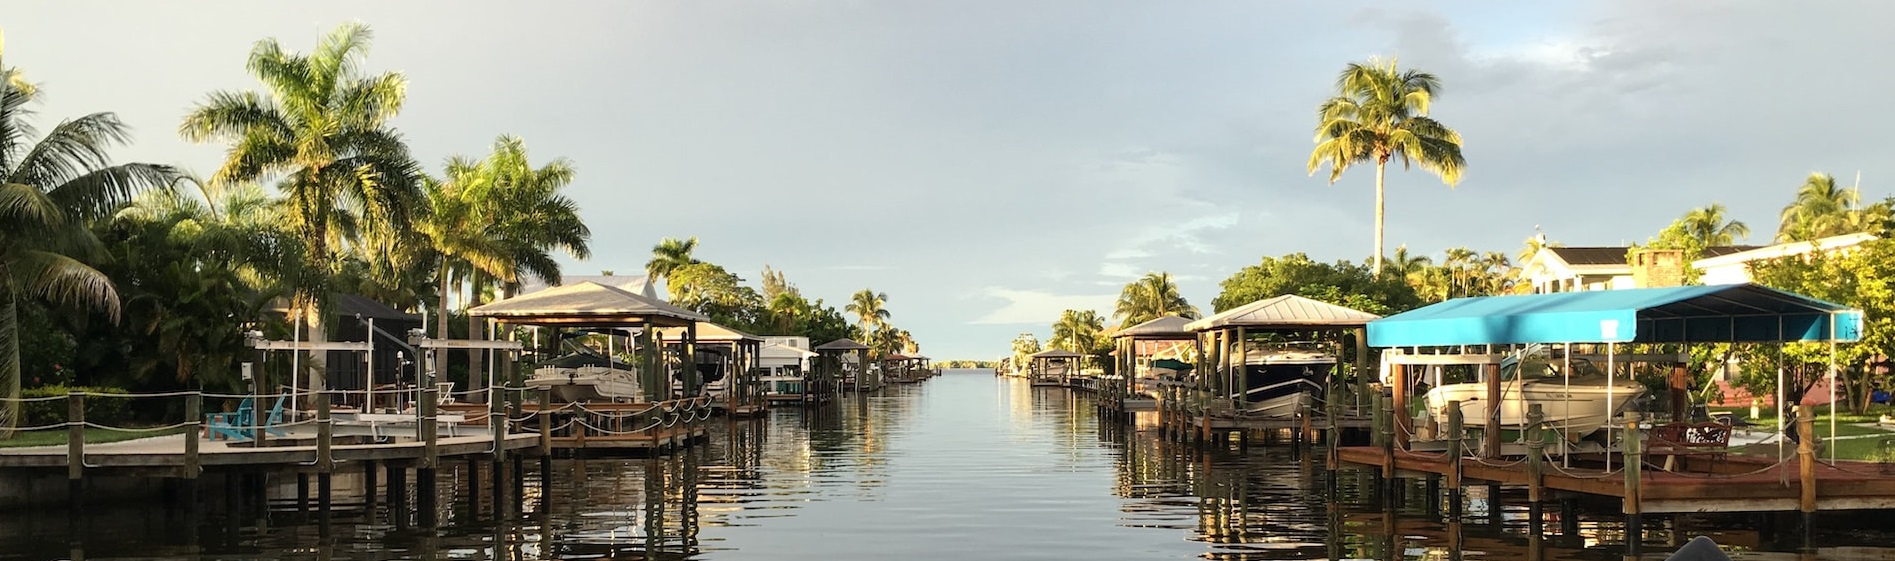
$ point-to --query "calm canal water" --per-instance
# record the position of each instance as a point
(966, 465)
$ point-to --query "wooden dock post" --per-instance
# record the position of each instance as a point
(193, 426)
(1536, 469)
(76, 454)
(1386, 406)
(1806, 469)
(430, 455)
(370, 484)
(1456, 436)
(497, 414)
(1490, 430)
(1634, 466)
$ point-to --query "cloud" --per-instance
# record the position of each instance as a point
(1038, 307)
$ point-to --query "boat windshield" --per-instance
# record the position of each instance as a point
(1543, 368)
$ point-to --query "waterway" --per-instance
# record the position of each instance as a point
(966, 465)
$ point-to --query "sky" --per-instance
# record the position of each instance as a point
(988, 164)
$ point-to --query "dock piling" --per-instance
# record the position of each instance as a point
(1634, 468)
(1456, 436)
(1536, 468)
(76, 455)
(1806, 469)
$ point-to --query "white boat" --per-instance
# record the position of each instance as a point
(1281, 382)
(587, 377)
(1575, 405)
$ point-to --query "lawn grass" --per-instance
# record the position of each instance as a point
(93, 436)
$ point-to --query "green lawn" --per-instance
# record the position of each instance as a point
(1853, 440)
(93, 436)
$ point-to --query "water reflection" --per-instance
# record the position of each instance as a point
(965, 465)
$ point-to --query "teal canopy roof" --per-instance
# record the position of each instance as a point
(1685, 314)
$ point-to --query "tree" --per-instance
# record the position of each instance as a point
(1862, 277)
(1709, 226)
(1151, 297)
(1080, 331)
(715, 292)
(1823, 209)
(1341, 283)
(321, 133)
(669, 255)
(49, 191)
(1380, 113)
(1024, 344)
(870, 309)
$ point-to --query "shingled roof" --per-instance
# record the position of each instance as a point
(1288, 311)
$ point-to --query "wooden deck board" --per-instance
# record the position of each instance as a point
(1765, 486)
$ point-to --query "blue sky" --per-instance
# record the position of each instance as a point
(988, 164)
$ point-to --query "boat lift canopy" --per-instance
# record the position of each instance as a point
(1744, 313)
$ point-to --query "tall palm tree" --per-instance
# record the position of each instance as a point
(1460, 264)
(1498, 273)
(1821, 209)
(49, 191)
(1710, 227)
(1151, 297)
(320, 131)
(669, 255)
(1380, 113)
(496, 222)
(870, 309)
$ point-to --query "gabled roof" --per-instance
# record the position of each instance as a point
(587, 303)
(1288, 311)
(708, 332)
(641, 284)
(1683, 314)
(842, 345)
(1165, 327)
(1055, 353)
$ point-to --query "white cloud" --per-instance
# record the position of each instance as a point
(1038, 307)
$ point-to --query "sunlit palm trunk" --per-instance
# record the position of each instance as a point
(1380, 166)
(9, 365)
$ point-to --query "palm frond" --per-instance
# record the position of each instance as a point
(65, 281)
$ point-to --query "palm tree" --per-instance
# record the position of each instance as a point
(1380, 113)
(1818, 206)
(1533, 245)
(1709, 227)
(1151, 297)
(1498, 272)
(870, 309)
(49, 191)
(1407, 266)
(320, 131)
(669, 255)
(1078, 331)
(1460, 265)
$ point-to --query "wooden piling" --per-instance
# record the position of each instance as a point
(1456, 469)
(1490, 432)
(1634, 468)
(1536, 469)
(1806, 468)
(76, 453)
(1386, 406)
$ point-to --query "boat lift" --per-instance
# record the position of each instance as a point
(420, 340)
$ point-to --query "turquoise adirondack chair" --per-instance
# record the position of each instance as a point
(236, 425)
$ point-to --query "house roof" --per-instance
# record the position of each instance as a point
(1589, 255)
(1754, 253)
(587, 304)
(1164, 327)
(352, 305)
(1288, 311)
(1727, 313)
(708, 332)
(842, 345)
(1055, 353)
(641, 284)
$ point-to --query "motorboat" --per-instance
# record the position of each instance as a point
(1575, 405)
(586, 376)
(1281, 382)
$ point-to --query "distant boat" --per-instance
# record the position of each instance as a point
(1577, 405)
(585, 376)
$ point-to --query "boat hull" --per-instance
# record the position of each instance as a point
(1578, 409)
(587, 383)
(1283, 388)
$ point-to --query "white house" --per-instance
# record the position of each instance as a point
(784, 352)
(1734, 268)
(1573, 269)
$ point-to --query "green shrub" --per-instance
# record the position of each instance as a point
(99, 410)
